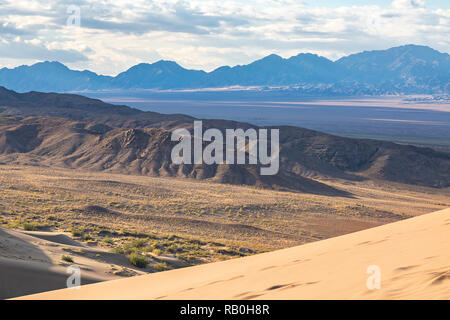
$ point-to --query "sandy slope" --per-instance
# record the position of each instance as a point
(30, 262)
(413, 255)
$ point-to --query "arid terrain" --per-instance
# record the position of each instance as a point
(412, 119)
(173, 222)
(211, 150)
(88, 183)
(409, 260)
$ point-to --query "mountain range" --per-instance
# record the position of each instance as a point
(67, 130)
(408, 69)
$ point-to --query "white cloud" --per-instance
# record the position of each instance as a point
(115, 35)
(408, 4)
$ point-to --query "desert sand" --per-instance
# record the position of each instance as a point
(413, 257)
(30, 262)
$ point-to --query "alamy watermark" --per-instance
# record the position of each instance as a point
(250, 145)
(74, 280)
(74, 18)
(374, 280)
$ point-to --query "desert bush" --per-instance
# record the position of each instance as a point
(119, 249)
(161, 266)
(67, 259)
(173, 248)
(77, 232)
(134, 246)
(157, 252)
(138, 260)
(87, 237)
(108, 240)
(139, 243)
(28, 226)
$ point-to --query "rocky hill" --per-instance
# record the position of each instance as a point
(78, 132)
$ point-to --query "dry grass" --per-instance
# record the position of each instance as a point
(193, 220)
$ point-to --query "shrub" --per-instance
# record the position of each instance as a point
(29, 226)
(67, 259)
(134, 246)
(87, 237)
(119, 249)
(161, 266)
(138, 260)
(173, 248)
(77, 232)
(157, 252)
(139, 243)
(108, 240)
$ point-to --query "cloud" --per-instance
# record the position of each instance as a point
(22, 50)
(178, 17)
(208, 33)
(408, 4)
(7, 29)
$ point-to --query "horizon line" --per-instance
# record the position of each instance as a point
(221, 66)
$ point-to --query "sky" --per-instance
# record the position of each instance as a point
(109, 36)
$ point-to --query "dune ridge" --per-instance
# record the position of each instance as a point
(30, 262)
(413, 256)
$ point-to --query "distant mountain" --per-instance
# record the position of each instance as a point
(408, 68)
(51, 76)
(404, 69)
(78, 132)
(273, 70)
(162, 74)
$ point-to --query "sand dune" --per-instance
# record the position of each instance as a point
(54, 237)
(413, 257)
(30, 262)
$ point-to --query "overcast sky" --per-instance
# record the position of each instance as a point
(115, 34)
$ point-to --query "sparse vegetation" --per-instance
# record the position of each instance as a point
(236, 220)
(161, 266)
(156, 252)
(77, 232)
(30, 226)
(68, 259)
(138, 260)
(108, 240)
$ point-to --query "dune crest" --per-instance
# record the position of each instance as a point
(413, 257)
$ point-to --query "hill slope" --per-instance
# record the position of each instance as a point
(53, 141)
(99, 136)
(412, 256)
